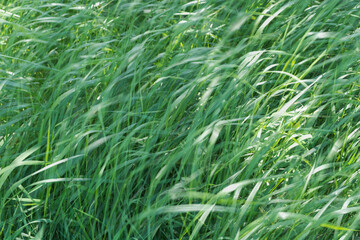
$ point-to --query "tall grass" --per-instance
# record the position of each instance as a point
(205, 119)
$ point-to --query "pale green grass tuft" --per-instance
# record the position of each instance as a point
(202, 119)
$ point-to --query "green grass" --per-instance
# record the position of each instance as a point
(205, 119)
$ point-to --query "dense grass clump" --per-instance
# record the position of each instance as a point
(162, 119)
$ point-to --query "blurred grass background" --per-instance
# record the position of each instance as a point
(205, 119)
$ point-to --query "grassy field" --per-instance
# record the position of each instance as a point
(178, 119)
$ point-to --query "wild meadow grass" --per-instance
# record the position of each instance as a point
(204, 119)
